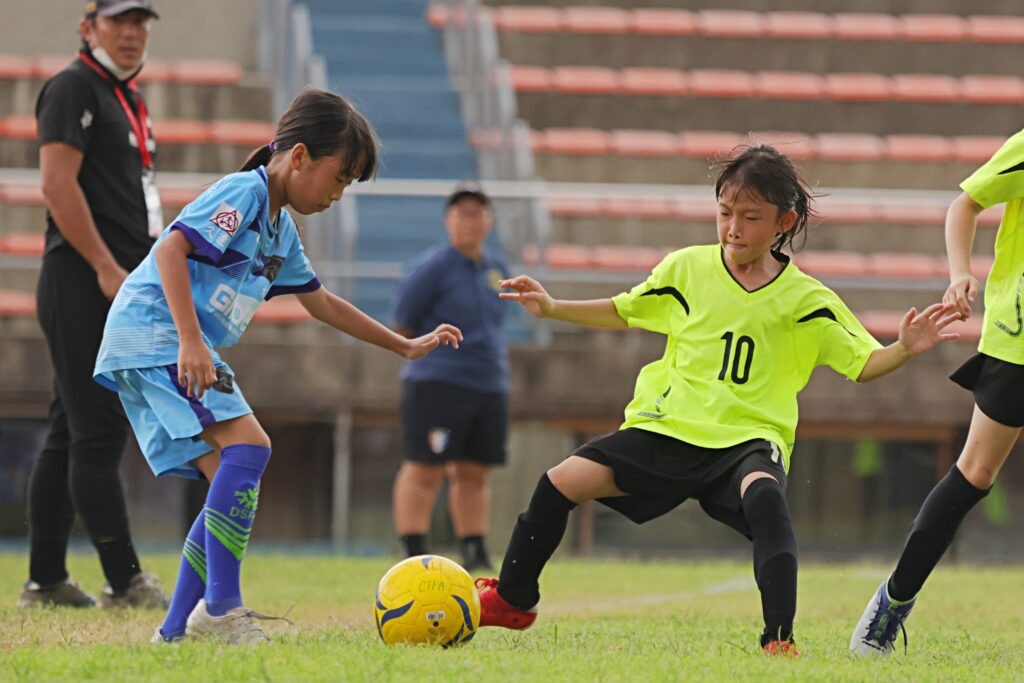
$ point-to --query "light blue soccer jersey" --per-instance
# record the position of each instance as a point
(240, 259)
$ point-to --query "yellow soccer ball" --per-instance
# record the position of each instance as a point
(427, 599)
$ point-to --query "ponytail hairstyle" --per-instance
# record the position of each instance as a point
(763, 170)
(329, 126)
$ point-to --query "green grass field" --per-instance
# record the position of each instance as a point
(600, 621)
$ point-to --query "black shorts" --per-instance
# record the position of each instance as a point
(996, 385)
(442, 422)
(658, 473)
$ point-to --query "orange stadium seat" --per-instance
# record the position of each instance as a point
(181, 131)
(48, 65)
(865, 26)
(892, 264)
(585, 80)
(933, 27)
(976, 148)
(16, 303)
(530, 78)
(809, 25)
(176, 197)
(18, 127)
(527, 19)
(654, 81)
(626, 258)
(645, 143)
(886, 325)
(13, 66)
(993, 89)
(991, 29)
(663, 22)
(925, 88)
(595, 20)
(849, 147)
(567, 256)
(640, 208)
(792, 144)
(918, 148)
(913, 214)
(788, 85)
(579, 141)
(862, 87)
(980, 266)
(730, 23)
(721, 83)
(832, 263)
(838, 211)
(573, 207)
(241, 132)
(992, 216)
(206, 71)
(156, 71)
(22, 194)
(708, 143)
(22, 244)
(283, 310)
(696, 209)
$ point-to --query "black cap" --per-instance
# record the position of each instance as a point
(110, 8)
(468, 189)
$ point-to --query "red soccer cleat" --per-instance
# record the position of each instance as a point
(781, 648)
(495, 611)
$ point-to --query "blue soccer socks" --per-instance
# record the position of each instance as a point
(229, 512)
(191, 581)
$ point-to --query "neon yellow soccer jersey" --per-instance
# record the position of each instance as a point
(735, 360)
(1001, 181)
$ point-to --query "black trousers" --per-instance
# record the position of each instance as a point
(77, 469)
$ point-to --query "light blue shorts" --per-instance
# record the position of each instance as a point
(167, 422)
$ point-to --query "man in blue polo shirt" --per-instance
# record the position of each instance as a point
(454, 404)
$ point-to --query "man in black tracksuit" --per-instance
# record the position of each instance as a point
(96, 162)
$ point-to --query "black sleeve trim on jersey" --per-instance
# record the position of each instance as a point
(1018, 167)
(820, 313)
(824, 313)
(671, 291)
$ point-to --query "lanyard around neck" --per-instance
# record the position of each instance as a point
(137, 123)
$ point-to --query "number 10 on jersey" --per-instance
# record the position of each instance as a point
(737, 358)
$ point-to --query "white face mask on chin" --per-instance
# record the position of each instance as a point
(104, 58)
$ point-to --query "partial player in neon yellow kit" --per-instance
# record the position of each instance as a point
(994, 375)
(714, 419)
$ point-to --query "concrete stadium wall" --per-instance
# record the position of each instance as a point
(207, 29)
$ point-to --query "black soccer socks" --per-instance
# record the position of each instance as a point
(538, 531)
(414, 544)
(764, 506)
(932, 532)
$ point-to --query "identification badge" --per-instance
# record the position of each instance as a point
(153, 209)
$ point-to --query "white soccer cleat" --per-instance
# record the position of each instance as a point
(236, 627)
(159, 639)
(875, 634)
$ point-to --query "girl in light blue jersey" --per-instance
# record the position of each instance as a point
(196, 291)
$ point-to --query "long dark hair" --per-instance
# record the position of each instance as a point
(763, 169)
(328, 125)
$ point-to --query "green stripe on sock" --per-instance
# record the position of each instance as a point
(238, 528)
(236, 537)
(236, 545)
(195, 559)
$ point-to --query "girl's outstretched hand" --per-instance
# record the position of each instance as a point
(922, 331)
(421, 346)
(961, 293)
(530, 294)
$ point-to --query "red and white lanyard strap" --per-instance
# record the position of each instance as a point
(137, 123)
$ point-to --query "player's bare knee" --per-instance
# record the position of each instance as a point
(751, 478)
